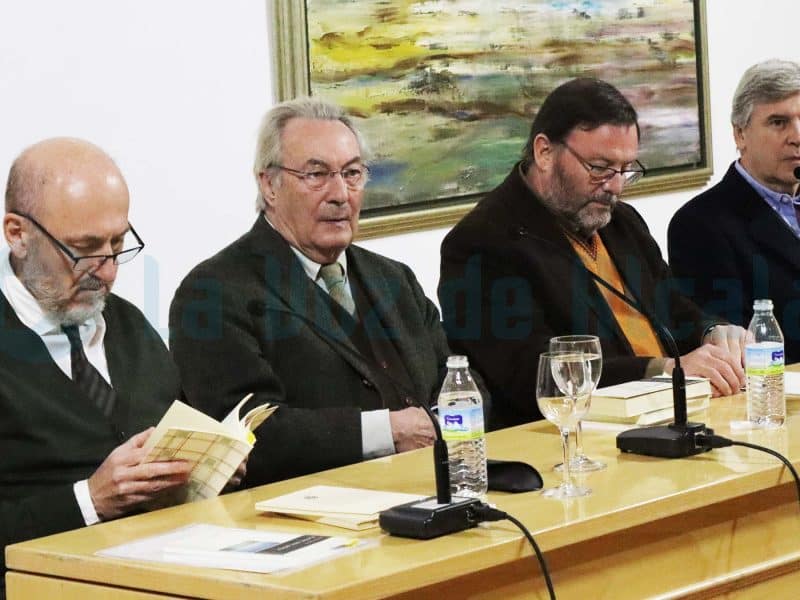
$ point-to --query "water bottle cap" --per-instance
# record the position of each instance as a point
(457, 362)
(762, 304)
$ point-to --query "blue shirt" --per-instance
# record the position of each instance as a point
(783, 204)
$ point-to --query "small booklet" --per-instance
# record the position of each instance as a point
(626, 402)
(216, 448)
(204, 545)
(351, 508)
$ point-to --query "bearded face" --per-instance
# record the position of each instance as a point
(66, 298)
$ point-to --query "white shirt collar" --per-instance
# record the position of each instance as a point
(311, 267)
(30, 312)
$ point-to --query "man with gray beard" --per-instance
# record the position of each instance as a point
(521, 267)
(82, 373)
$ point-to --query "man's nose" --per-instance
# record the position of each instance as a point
(615, 184)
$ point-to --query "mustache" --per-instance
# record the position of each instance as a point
(92, 284)
(610, 200)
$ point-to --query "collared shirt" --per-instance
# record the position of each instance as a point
(783, 204)
(93, 332)
(376, 428)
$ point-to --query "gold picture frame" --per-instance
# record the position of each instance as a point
(670, 63)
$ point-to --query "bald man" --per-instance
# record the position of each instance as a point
(82, 373)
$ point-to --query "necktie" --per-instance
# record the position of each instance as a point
(86, 376)
(333, 276)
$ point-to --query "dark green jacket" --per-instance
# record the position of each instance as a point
(250, 320)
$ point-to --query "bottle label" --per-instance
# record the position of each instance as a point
(763, 360)
(461, 424)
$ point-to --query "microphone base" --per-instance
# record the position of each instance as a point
(667, 441)
(426, 519)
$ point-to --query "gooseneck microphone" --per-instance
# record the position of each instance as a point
(676, 440)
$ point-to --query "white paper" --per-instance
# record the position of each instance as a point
(791, 384)
(204, 545)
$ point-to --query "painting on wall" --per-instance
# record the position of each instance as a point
(445, 90)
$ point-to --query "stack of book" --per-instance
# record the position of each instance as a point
(646, 402)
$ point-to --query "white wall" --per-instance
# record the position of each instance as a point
(174, 89)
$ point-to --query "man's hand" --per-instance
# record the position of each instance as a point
(121, 483)
(411, 428)
(236, 479)
(729, 337)
(718, 365)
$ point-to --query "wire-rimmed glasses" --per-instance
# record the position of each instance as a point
(355, 177)
(602, 173)
(91, 262)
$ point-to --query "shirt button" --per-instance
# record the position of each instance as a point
(367, 383)
(384, 365)
(410, 401)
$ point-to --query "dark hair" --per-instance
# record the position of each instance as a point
(584, 102)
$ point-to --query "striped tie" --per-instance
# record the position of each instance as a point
(333, 276)
(86, 376)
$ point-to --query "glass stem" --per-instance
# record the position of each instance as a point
(578, 440)
(567, 478)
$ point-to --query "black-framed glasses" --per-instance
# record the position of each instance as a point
(355, 177)
(94, 261)
(601, 174)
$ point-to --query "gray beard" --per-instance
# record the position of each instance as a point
(51, 300)
(579, 219)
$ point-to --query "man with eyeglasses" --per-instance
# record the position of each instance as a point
(342, 339)
(82, 373)
(520, 268)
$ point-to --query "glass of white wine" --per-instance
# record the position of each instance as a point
(563, 388)
(590, 346)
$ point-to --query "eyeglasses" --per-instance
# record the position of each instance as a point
(601, 174)
(354, 177)
(94, 261)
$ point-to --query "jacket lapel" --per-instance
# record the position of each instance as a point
(764, 226)
(538, 235)
(292, 294)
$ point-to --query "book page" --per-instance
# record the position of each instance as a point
(336, 502)
(216, 449)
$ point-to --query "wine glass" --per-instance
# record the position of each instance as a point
(589, 345)
(563, 388)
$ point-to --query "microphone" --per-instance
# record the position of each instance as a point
(676, 440)
(435, 516)
(797, 172)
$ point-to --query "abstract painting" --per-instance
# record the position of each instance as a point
(445, 90)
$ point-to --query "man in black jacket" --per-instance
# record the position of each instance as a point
(516, 270)
(82, 373)
(740, 239)
(342, 339)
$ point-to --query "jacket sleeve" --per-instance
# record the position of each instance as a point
(45, 513)
(224, 350)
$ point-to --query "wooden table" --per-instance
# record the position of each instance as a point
(721, 524)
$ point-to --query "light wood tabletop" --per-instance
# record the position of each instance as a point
(720, 524)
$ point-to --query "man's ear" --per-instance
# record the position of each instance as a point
(738, 137)
(16, 236)
(544, 152)
(267, 184)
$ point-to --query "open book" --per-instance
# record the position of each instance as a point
(351, 508)
(215, 448)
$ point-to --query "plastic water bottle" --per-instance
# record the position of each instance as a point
(461, 420)
(766, 403)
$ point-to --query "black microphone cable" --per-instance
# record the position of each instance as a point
(717, 441)
(484, 513)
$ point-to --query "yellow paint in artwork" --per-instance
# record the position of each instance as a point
(360, 56)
